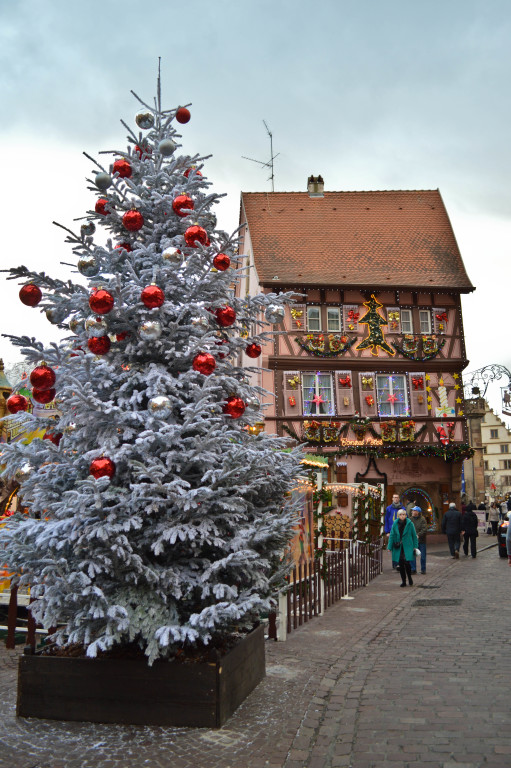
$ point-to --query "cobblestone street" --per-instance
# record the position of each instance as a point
(395, 677)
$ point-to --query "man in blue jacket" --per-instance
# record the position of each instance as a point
(390, 516)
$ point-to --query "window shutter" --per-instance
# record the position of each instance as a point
(368, 406)
(344, 393)
(393, 320)
(298, 317)
(292, 389)
(440, 318)
(418, 394)
(349, 318)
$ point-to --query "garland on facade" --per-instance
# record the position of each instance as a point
(409, 348)
(316, 344)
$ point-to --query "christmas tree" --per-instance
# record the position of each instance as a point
(155, 518)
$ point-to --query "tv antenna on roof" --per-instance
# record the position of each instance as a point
(269, 164)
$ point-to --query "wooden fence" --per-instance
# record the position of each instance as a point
(315, 586)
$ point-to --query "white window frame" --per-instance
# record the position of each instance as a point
(425, 321)
(337, 311)
(317, 387)
(399, 408)
(310, 310)
(405, 317)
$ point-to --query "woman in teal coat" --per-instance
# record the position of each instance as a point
(402, 542)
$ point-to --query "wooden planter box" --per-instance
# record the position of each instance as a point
(128, 691)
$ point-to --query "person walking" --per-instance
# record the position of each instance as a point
(390, 517)
(503, 509)
(421, 529)
(471, 507)
(402, 543)
(493, 518)
(469, 525)
(451, 525)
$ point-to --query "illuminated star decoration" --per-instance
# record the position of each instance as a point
(318, 399)
(392, 399)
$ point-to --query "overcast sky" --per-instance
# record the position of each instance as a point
(372, 94)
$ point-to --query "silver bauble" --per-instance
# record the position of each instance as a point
(86, 230)
(56, 316)
(144, 119)
(159, 405)
(253, 403)
(172, 255)
(103, 181)
(23, 473)
(76, 325)
(88, 266)
(274, 313)
(95, 326)
(166, 147)
(150, 330)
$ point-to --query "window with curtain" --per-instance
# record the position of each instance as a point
(313, 319)
(333, 319)
(392, 395)
(406, 321)
(425, 320)
(317, 392)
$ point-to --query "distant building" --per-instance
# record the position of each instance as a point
(496, 446)
(366, 366)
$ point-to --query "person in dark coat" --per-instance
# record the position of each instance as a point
(402, 543)
(469, 524)
(451, 525)
(421, 529)
(471, 507)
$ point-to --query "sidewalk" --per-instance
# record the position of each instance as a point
(390, 678)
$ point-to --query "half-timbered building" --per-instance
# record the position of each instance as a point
(367, 364)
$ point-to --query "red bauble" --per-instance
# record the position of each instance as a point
(101, 206)
(42, 377)
(122, 336)
(55, 437)
(183, 115)
(127, 247)
(17, 403)
(145, 149)
(123, 168)
(221, 355)
(133, 221)
(102, 467)
(189, 170)
(221, 262)
(101, 302)
(253, 350)
(43, 395)
(195, 235)
(234, 407)
(204, 363)
(152, 296)
(99, 345)
(30, 295)
(225, 316)
(182, 205)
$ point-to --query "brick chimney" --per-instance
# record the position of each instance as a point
(315, 186)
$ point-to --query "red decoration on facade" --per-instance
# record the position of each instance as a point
(43, 396)
(183, 115)
(253, 350)
(292, 400)
(123, 168)
(17, 403)
(418, 382)
(99, 345)
(102, 467)
(370, 400)
(221, 262)
(152, 296)
(101, 206)
(182, 205)
(133, 221)
(353, 316)
(195, 235)
(345, 381)
(42, 377)
(442, 316)
(234, 407)
(204, 363)
(392, 399)
(101, 302)
(225, 316)
(30, 295)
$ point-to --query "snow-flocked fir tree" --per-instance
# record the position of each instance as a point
(156, 518)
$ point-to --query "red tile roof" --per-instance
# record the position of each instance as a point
(394, 239)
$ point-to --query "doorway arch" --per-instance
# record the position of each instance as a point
(421, 498)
